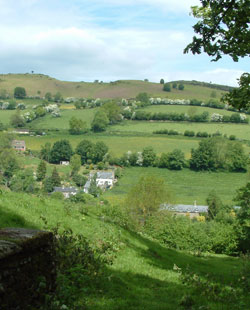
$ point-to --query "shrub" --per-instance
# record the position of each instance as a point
(189, 133)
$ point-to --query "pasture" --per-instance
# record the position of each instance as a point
(186, 186)
(39, 83)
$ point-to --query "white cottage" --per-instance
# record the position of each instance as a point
(104, 180)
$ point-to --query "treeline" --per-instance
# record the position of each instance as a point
(213, 154)
(205, 84)
(182, 117)
(191, 133)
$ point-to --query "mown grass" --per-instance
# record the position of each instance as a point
(142, 276)
(119, 143)
(120, 89)
(186, 186)
(241, 131)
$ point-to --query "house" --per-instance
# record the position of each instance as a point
(104, 180)
(180, 209)
(21, 131)
(66, 191)
(19, 145)
(64, 163)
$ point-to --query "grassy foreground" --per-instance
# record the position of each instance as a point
(143, 275)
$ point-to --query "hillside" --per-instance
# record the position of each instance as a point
(143, 274)
(40, 84)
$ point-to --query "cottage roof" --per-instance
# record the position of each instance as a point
(103, 175)
(185, 208)
(66, 189)
(19, 143)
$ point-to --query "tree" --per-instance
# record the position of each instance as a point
(145, 198)
(149, 156)
(48, 96)
(83, 149)
(97, 152)
(55, 178)
(41, 170)
(181, 86)
(19, 92)
(58, 97)
(113, 112)
(93, 188)
(100, 121)
(214, 205)
(240, 97)
(45, 152)
(243, 214)
(77, 126)
(60, 151)
(167, 87)
(174, 85)
(175, 160)
(143, 97)
(75, 163)
(161, 81)
(16, 120)
(23, 181)
(9, 164)
(223, 29)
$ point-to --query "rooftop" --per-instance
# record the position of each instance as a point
(185, 208)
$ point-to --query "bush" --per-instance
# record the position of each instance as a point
(189, 133)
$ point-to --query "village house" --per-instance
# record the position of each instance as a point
(66, 191)
(64, 163)
(19, 145)
(104, 180)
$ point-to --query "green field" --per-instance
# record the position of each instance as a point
(119, 89)
(186, 186)
(241, 131)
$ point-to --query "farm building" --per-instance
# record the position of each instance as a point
(66, 191)
(19, 145)
(104, 180)
(180, 209)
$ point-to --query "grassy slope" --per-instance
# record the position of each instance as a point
(186, 186)
(142, 275)
(122, 89)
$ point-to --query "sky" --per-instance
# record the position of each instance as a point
(107, 40)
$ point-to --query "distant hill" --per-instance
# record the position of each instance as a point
(39, 84)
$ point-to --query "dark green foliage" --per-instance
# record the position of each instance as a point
(161, 81)
(12, 105)
(77, 126)
(41, 170)
(243, 214)
(174, 85)
(55, 178)
(79, 180)
(113, 112)
(8, 163)
(163, 162)
(100, 121)
(23, 181)
(45, 152)
(223, 29)
(48, 185)
(61, 151)
(19, 92)
(83, 148)
(218, 153)
(143, 97)
(58, 97)
(97, 152)
(48, 96)
(240, 97)
(189, 133)
(175, 160)
(202, 134)
(2, 127)
(149, 156)
(214, 205)
(167, 87)
(93, 188)
(16, 120)
(181, 86)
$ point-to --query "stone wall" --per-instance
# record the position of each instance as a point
(27, 268)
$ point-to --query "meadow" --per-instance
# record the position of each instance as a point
(186, 186)
(141, 267)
